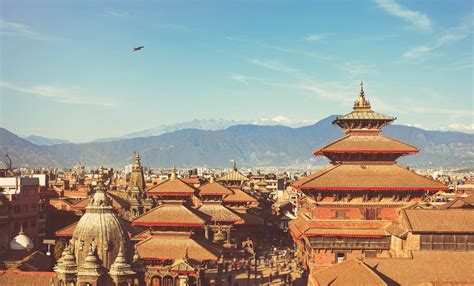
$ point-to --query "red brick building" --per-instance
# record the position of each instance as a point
(19, 209)
(350, 203)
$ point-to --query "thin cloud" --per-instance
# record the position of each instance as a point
(57, 94)
(358, 70)
(315, 37)
(243, 78)
(20, 30)
(449, 36)
(417, 19)
(340, 92)
(117, 14)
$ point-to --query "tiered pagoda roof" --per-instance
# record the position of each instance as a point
(218, 213)
(239, 196)
(366, 144)
(174, 186)
(234, 175)
(214, 189)
(365, 160)
(377, 177)
(170, 214)
(176, 245)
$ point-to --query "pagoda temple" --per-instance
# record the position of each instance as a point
(350, 202)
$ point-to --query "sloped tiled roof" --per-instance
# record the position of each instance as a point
(426, 268)
(439, 221)
(234, 175)
(214, 189)
(367, 177)
(170, 214)
(172, 187)
(218, 213)
(117, 202)
(174, 245)
(13, 277)
(364, 115)
(366, 144)
(67, 231)
(239, 196)
(350, 272)
(349, 228)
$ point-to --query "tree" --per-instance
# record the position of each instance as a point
(58, 250)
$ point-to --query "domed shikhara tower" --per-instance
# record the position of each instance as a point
(100, 242)
(139, 202)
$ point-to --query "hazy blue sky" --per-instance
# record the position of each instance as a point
(67, 69)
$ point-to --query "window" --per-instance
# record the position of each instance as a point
(33, 223)
(449, 243)
(340, 214)
(340, 257)
(24, 208)
(33, 207)
(438, 242)
(425, 242)
(25, 224)
(371, 213)
(16, 209)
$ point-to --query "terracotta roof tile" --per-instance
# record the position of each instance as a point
(239, 196)
(435, 220)
(364, 115)
(117, 202)
(218, 213)
(214, 189)
(343, 274)
(172, 187)
(353, 228)
(367, 177)
(20, 278)
(173, 245)
(170, 214)
(429, 267)
(67, 231)
(233, 176)
(366, 144)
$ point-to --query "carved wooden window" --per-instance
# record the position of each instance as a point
(425, 242)
(339, 214)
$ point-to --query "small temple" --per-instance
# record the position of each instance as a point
(351, 202)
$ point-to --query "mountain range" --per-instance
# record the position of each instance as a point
(44, 141)
(251, 145)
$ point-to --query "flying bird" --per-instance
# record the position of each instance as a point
(138, 48)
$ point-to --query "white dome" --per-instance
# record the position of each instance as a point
(21, 242)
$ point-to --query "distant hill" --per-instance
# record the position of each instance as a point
(250, 145)
(44, 141)
(204, 124)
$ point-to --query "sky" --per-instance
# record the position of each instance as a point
(68, 70)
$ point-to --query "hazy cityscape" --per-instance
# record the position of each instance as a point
(201, 143)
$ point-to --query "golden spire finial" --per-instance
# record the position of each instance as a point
(361, 102)
(173, 173)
